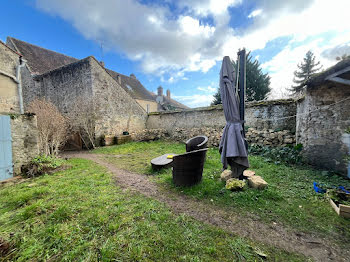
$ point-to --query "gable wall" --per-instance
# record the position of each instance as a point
(118, 110)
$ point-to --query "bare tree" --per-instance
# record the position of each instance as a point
(82, 117)
(52, 126)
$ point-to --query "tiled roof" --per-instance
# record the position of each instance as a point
(170, 103)
(40, 60)
(132, 86)
(320, 78)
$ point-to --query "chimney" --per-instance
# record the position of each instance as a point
(168, 93)
(119, 79)
(132, 76)
(160, 91)
(102, 63)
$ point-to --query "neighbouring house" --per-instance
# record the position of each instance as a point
(323, 116)
(18, 131)
(41, 60)
(63, 80)
(166, 103)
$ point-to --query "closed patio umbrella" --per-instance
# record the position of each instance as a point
(232, 146)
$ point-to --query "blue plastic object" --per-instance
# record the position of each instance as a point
(319, 189)
(343, 189)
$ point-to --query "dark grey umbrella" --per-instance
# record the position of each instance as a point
(232, 146)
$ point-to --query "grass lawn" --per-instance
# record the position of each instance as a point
(80, 214)
(289, 199)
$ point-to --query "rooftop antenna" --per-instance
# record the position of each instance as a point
(101, 50)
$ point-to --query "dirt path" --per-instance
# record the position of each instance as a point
(249, 227)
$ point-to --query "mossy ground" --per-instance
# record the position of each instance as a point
(80, 214)
(289, 200)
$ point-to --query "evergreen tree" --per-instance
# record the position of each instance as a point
(257, 83)
(307, 68)
(217, 98)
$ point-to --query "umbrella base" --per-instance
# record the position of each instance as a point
(237, 169)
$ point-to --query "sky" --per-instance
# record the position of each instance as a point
(179, 44)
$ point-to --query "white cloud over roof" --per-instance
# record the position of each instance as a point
(179, 40)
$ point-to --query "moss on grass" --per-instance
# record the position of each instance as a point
(289, 199)
(81, 215)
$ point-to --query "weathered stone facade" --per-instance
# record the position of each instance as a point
(25, 135)
(275, 115)
(9, 102)
(118, 111)
(322, 121)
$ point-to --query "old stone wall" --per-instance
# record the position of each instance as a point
(25, 138)
(118, 110)
(321, 125)
(60, 86)
(253, 136)
(276, 115)
(9, 102)
(268, 123)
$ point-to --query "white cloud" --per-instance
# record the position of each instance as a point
(211, 89)
(149, 33)
(282, 66)
(255, 13)
(169, 44)
(195, 100)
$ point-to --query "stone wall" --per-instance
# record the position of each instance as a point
(61, 86)
(268, 122)
(9, 102)
(253, 136)
(118, 110)
(25, 139)
(276, 115)
(321, 125)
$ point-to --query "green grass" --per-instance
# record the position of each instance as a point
(289, 199)
(80, 214)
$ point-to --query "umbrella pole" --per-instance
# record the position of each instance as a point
(241, 87)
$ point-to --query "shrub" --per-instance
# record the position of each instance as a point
(287, 155)
(52, 126)
(83, 116)
(40, 165)
(234, 184)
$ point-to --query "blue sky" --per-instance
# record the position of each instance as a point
(179, 44)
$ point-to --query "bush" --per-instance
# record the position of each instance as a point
(234, 184)
(278, 155)
(41, 165)
(52, 126)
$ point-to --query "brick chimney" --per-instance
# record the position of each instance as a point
(160, 91)
(168, 93)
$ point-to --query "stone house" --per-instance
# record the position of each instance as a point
(18, 131)
(166, 103)
(323, 116)
(40, 61)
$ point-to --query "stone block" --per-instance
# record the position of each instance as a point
(257, 182)
(225, 175)
(248, 173)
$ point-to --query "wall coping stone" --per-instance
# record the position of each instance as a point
(219, 107)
